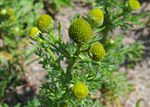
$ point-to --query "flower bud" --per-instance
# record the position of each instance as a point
(34, 32)
(96, 17)
(80, 90)
(3, 12)
(10, 11)
(97, 51)
(12, 18)
(16, 30)
(134, 4)
(80, 31)
(45, 23)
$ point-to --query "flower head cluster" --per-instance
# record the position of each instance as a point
(134, 4)
(80, 31)
(45, 23)
(96, 16)
(97, 51)
(80, 90)
(9, 12)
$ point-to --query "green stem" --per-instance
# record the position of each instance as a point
(72, 61)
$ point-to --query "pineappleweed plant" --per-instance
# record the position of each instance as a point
(92, 56)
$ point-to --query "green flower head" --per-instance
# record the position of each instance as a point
(97, 51)
(80, 31)
(80, 90)
(134, 4)
(45, 23)
(96, 16)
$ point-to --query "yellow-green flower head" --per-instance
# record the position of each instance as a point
(10, 11)
(6, 55)
(96, 16)
(12, 18)
(34, 32)
(134, 4)
(80, 31)
(45, 23)
(97, 51)
(80, 90)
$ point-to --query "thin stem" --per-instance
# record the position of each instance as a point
(36, 59)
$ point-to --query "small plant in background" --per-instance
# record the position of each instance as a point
(16, 18)
(93, 57)
(53, 6)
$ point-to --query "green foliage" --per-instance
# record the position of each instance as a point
(33, 103)
(122, 16)
(60, 3)
(16, 18)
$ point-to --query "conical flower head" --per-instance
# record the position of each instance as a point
(45, 23)
(80, 31)
(96, 17)
(80, 90)
(97, 51)
(134, 4)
